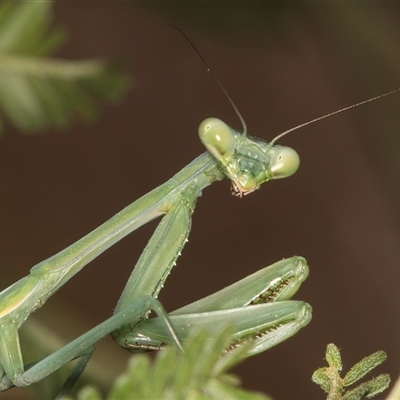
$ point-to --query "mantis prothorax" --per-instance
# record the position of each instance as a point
(258, 306)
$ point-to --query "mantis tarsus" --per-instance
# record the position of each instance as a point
(258, 306)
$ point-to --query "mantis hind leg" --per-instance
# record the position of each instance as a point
(83, 346)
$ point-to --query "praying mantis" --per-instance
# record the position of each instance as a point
(248, 162)
(259, 306)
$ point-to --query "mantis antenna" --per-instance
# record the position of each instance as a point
(332, 114)
(208, 68)
(281, 135)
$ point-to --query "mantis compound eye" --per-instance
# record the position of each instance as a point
(284, 162)
(217, 137)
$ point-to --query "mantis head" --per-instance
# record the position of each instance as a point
(246, 161)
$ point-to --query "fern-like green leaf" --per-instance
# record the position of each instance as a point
(38, 93)
(320, 378)
(364, 366)
(332, 356)
(369, 389)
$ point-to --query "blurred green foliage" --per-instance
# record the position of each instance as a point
(198, 373)
(36, 92)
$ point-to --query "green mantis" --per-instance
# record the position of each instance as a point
(248, 162)
(258, 306)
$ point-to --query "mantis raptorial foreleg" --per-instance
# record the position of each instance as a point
(270, 320)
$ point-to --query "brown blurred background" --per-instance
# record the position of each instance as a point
(283, 64)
